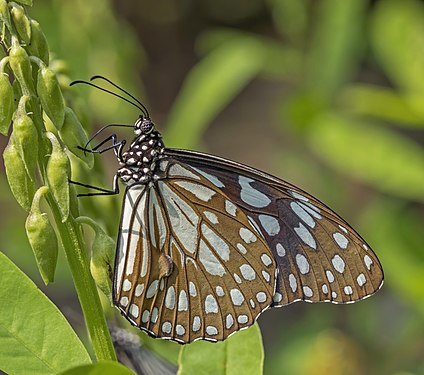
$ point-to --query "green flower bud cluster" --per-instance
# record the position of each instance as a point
(35, 158)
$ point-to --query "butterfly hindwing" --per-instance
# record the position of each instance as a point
(201, 269)
(319, 256)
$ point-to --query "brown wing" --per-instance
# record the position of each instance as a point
(319, 256)
(190, 265)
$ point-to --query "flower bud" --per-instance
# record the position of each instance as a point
(25, 137)
(21, 67)
(50, 95)
(42, 238)
(21, 185)
(7, 104)
(38, 45)
(58, 170)
(5, 15)
(73, 135)
(21, 22)
(102, 257)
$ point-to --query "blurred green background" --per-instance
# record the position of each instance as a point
(326, 94)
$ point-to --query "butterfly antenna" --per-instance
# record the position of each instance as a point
(121, 89)
(103, 128)
(141, 108)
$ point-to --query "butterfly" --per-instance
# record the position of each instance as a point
(207, 244)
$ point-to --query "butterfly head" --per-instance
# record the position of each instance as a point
(143, 125)
(139, 161)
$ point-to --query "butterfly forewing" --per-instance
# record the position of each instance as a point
(190, 262)
(319, 256)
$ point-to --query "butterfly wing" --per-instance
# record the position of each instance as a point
(190, 264)
(319, 256)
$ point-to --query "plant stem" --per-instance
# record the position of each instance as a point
(85, 286)
(78, 263)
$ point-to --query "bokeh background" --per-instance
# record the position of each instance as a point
(326, 94)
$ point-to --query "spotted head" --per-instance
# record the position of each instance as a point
(140, 159)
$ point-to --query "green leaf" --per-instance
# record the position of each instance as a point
(337, 40)
(379, 102)
(396, 33)
(35, 338)
(376, 155)
(210, 86)
(100, 368)
(241, 353)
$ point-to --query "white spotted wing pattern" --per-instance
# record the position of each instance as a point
(211, 243)
(320, 258)
(190, 264)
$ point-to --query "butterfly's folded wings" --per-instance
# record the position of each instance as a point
(204, 251)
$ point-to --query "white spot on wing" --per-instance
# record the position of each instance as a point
(209, 261)
(277, 297)
(241, 248)
(196, 323)
(247, 272)
(139, 290)
(338, 263)
(166, 327)
(170, 298)
(199, 191)
(211, 217)
(192, 289)
(361, 279)
(250, 195)
(292, 282)
(281, 251)
(305, 236)
(154, 316)
(180, 330)
(182, 301)
(219, 291)
(247, 235)
(324, 288)
(218, 244)
(298, 196)
(236, 297)
(266, 260)
(211, 178)
(302, 214)
(348, 290)
(151, 291)
(302, 264)
(242, 319)
(330, 276)
(261, 297)
(182, 217)
(368, 261)
(229, 321)
(270, 224)
(211, 306)
(341, 240)
(307, 291)
(231, 208)
(178, 170)
(124, 301)
(126, 286)
(211, 330)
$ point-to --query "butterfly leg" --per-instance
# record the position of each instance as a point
(116, 146)
(101, 190)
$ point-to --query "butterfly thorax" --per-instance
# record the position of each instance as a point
(139, 162)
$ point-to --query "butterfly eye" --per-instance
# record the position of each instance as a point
(143, 126)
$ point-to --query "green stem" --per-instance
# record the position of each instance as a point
(78, 263)
(85, 286)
